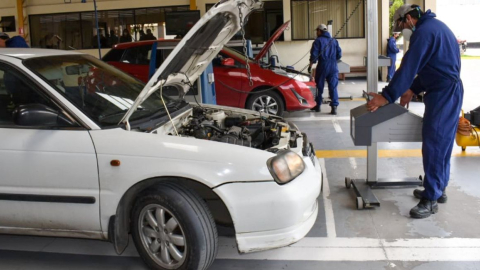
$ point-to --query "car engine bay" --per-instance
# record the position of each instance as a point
(261, 132)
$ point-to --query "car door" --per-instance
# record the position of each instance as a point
(49, 175)
(228, 81)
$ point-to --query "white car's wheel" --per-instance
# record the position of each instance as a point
(173, 229)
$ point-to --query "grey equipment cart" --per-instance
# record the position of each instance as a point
(390, 123)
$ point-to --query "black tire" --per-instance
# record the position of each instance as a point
(321, 188)
(253, 101)
(195, 226)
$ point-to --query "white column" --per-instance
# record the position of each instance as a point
(372, 78)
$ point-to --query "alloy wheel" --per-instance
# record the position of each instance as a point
(162, 236)
(265, 103)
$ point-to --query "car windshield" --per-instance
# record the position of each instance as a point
(237, 53)
(99, 90)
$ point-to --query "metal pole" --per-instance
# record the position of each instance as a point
(372, 78)
(98, 30)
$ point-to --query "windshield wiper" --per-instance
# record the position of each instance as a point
(119, 113)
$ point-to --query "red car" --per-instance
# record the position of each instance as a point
(292, 91)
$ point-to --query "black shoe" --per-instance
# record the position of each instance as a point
(424, 209)
(314, 109)
(418, 194)
(334, 110)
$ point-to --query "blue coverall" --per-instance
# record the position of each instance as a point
(392, 51)
(16, 42)
(434, 57)
(326, 50)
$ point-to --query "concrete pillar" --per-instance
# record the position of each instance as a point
(193, 4)
(287, 34)
(431, 4)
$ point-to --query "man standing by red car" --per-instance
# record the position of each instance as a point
(326, 50)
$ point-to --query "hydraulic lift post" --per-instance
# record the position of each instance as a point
(391, 123)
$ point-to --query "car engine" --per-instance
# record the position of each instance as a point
(226, 127)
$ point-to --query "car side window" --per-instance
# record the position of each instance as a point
(114, 55)
(137, 55)
(160, 57)
(17, 90)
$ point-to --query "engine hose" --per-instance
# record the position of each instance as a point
(213, 127)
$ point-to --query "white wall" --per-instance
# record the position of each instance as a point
(461, 17)
(8, 8)
(289, 52)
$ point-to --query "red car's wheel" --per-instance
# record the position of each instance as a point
(267, 102)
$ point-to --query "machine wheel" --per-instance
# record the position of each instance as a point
(348, 182)
(267, 102)
(172, 228)
(464, 148)
(360, 203)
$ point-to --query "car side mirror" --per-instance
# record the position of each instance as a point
(39, 115)
(228, 62)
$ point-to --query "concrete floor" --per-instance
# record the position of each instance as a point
(342, 237)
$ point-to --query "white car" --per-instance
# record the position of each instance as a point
(87, 151)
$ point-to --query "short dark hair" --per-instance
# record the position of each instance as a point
(416, 13)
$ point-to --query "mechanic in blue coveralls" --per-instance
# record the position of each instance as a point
(14, 42)
(434, 58)
(392, 51)
(326, 50)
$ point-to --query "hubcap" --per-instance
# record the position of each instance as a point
(162, 236)
(265, 104)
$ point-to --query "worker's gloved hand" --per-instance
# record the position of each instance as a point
(309, 69)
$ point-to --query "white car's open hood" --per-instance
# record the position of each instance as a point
(197, 49)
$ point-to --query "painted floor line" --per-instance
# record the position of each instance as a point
(388, 153)
(307, 249)
(318, 118)
(366, 249)
(337, 126)
(327, 203)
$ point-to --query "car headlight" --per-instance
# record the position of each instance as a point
(299, 77)
(285, 166)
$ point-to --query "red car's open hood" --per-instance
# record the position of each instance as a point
(272, 39)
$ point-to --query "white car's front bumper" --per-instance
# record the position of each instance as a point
(267, 215)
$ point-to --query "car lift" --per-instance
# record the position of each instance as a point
(369, 128)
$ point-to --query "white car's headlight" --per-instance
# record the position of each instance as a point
(285, 166)
(299, 77)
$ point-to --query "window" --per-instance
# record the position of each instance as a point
(8, 24)
(308, 14)
(78, 30)
(137, 55)
(263, 23)
(17, 90)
